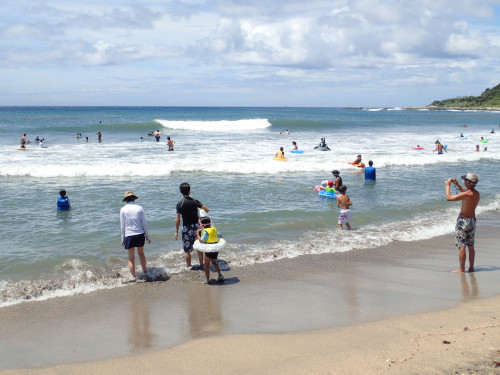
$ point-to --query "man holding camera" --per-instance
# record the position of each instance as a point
(465, 228)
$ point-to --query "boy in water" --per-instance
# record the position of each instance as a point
(439, 148)
(170, 144)
(63, 201)
(207, 233)
(344, 203)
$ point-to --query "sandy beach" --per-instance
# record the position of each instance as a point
(396, 309)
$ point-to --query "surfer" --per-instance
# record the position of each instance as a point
(23, 141)
(170, 144)
(439, 148)
(134, 232)
(465, 227)
(207, 233)
(322, 145)
(188, 209)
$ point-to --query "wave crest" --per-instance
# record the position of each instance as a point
(217, 126)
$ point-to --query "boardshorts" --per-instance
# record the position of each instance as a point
(344, 216)
(212, 255)
(136, 240)
(465, 229)
(189, 236)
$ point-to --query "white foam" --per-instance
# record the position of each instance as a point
(236, 126)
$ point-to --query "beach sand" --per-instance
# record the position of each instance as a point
(395, 309)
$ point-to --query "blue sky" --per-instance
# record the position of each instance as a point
(247, 52)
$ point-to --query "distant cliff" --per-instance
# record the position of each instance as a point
(489, 99)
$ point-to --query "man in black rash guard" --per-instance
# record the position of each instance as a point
(188, 209)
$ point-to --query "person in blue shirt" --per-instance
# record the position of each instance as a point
(63, 201)
(370, 172)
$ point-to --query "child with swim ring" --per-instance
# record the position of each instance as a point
(207, 233)
(329, 188)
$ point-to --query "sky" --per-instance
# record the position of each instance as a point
(315, 53)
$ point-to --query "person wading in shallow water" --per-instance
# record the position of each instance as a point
(188, 209)
(465, 227)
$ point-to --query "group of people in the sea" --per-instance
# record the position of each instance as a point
(334, 187)
(41, 141)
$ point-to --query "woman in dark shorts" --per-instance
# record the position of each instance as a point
(134, 231)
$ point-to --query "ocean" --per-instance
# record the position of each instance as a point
(266, 210)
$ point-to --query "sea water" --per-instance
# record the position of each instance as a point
(265, 209)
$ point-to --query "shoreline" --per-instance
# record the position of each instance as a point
(461, 340)
(306, 298)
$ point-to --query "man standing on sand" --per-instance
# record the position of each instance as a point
(465, 228)
(188, 209)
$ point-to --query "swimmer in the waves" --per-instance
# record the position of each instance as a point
(357, 160)
(280, 154)
(439, 148)
(170, 144)
(294, 146)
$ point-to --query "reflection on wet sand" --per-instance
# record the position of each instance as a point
(469, 292)
(205, 315)
(140, 335)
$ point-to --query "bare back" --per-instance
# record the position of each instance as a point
(344, 202)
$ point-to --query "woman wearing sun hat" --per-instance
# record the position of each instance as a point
(134, 231)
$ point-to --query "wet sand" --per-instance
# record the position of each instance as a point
(363, 311)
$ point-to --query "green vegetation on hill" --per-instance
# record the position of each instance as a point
(490, 98)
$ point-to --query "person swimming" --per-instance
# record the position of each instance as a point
(322, 145)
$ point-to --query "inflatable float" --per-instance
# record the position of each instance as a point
(296, 151)
(209, 247)
(326, 194)
(462, 138)
(280, 159)
(360, 165)
(484, 141)
(418, 148)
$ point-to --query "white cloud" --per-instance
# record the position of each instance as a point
(250, 43)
